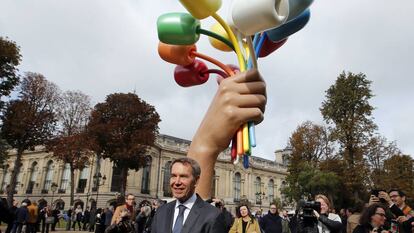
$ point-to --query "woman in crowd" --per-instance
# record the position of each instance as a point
(245, 223)
(372, 220)
(327, 222)
(47, 217)
(143, 220)
(123, 224)
(100, 221)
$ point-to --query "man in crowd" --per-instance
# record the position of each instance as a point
(396, 201)
(188, 213)
(225, 215)
(56, 215)
(109, 214)
(86, 217)
(22, 216)
(129, 205)
(33, 215)
(69, 219)
(401, 212)
(272, 222)
(12, 216)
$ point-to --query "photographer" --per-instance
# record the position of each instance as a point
(122, 224)
(327, 222)
(227, 217)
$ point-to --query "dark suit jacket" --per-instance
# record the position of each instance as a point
(203, 218)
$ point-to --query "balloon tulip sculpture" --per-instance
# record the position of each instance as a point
(254, 29)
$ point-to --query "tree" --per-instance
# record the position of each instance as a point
(123, 128)
(73, 112)
(9, 60)
(72, 150)
(310, 144)
(311, 181)
(71, 145)
(30, 120)
(348, 111)
(377, 151)
(399, 173)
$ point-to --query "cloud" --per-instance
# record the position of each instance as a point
(101, 47)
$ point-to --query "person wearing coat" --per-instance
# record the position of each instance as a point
(246, 223)
(327, 222)
(273, 223)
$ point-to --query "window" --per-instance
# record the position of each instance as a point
(19, 179)
(146, 173)
(32, 179)
(49, 175)
(258, 189)
(166, 181)
(237, 186)
(64, 182)
(271, 190)
(282, 187)
(116, 179)
(83, 178)
(60, 204)
(6, 179)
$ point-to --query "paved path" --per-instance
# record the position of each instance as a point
(58, 230)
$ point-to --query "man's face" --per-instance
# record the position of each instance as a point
(182, 181)
(273, 209)
(130, 200)
(155, 205)
(396, 198)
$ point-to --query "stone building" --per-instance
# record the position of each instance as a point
(43, 178)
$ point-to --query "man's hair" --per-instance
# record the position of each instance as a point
(277, 207)
(196, 170)
(129, 194)
(401, 193)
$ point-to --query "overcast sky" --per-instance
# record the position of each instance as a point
(105, 46)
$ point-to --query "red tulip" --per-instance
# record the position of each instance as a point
(270, 46)
(191, 75)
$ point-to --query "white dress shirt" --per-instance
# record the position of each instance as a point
(188, 204)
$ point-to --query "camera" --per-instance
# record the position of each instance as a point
(306, 219)
(308, 207)
(375, 192)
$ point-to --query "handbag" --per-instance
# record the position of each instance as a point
(50, 220)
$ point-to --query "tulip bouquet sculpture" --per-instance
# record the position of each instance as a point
(254, 29)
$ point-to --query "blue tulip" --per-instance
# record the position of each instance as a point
(296, 7)
(289, 28)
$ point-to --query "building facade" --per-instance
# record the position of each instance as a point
(44, 179)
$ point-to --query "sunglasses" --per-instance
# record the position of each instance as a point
(381, 214)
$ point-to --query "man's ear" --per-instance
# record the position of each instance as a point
(197, 179)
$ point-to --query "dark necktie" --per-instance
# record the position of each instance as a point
(178, 226)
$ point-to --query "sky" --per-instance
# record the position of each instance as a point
(105, 46)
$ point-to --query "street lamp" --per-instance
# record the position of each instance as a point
(259, 197)
(53, 187)
(97, 178)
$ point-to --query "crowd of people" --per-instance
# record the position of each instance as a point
(238, 100)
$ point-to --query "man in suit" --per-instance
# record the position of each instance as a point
(188, 213)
